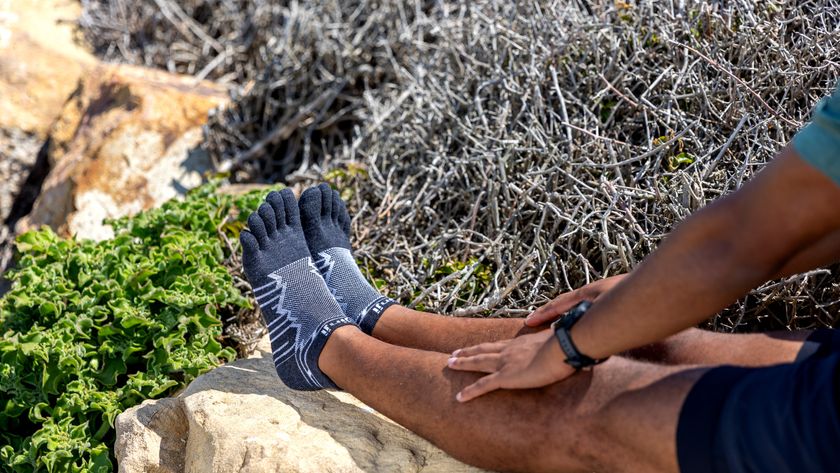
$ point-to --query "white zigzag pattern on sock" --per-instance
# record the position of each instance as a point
(284, 320)
(292, 333)
(356, 296)
(325, 266)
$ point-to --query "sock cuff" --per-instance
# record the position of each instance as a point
(371, 314)
(319, 379)
(354, 293)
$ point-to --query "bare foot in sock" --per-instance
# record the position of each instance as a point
(296, 303)
(326, 226)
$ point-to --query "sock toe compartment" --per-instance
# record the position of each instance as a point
(290, 208)
(320, 221)
(276, 201)
(268, 217)
(326, 200)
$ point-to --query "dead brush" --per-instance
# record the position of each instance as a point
(497, 153)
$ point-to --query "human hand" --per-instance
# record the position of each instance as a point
(528, 361)
(562, 303)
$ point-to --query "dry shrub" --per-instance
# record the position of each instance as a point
(498, 153)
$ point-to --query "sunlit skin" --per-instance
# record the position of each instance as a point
(618, 417)
(622, 415)
(784, 220)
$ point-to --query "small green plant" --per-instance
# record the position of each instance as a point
(479, 276)
(340, 177)
(679, 160)
(92, 328)
(605, 109)
(680, 157)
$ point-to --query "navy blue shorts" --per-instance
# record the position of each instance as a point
(780, 419)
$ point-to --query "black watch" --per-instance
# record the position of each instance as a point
(561, 327)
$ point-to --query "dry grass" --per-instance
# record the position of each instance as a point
(497, 153)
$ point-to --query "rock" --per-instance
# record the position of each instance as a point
(18, 152)
(125, 141)
(152, 439)
(241, 418)
(40, 64)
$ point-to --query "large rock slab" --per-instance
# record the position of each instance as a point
(40, 66)
(241, 418)
(40, 63)
(126, 140)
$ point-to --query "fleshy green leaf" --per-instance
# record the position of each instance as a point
(92, 328)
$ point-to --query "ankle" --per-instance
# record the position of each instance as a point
(334, 354)
(394, 322)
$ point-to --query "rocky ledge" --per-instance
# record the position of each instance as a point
(241, 418)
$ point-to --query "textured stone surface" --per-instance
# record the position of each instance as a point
(153, 438)
(241, 418)
(18, 151)
(125, 141)
(40, 64)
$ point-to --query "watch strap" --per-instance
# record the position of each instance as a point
(562, 327)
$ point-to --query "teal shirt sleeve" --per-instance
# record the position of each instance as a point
(819, 142)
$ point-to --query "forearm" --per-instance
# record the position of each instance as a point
(714, 257)
(822, 253)
(694, 274)
(782, 221)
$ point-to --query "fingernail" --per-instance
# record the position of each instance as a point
(458, 397)
(450, 362)
(455, 353)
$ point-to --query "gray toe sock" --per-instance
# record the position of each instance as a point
(296, 303)
(326, 225)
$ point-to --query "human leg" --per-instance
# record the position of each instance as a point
(703, 347)
(406, 327)
(632, 408)
(622, 416)
(574, 425)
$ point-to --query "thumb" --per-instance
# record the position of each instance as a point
(557, 307)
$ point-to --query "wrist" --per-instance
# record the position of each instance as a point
(556, 359)
(562, 329)
(579, 332)
(585, 343)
